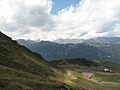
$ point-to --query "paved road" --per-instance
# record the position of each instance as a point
(88, 75)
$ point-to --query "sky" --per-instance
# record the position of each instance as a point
(58, 5)
(66, 19)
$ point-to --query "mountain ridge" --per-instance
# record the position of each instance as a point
(88, 50)
(109, 40)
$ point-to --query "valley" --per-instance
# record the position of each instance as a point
(91, 73)
(22, 69)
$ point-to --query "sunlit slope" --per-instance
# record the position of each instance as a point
(15, 56)
(21, 69)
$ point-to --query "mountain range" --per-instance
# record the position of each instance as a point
(109, 40)
(94, 49)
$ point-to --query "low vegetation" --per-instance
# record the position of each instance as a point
(21, 69)
(110, 78)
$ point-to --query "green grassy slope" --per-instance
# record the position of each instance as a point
(21, 69)
(15, 56)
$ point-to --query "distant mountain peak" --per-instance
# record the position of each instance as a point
(68, 41)
(109, 40)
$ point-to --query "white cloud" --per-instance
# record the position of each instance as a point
(22, 18)
(31, 19)
(91, 17)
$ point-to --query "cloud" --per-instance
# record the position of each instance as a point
(31, 19)
(21, 16)
(115, 32)
(96, 17)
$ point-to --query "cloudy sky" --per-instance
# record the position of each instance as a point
(52, 19)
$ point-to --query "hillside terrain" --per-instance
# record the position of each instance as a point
(81, 64)
(21, 69)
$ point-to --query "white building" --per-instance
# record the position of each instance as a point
(107, 70)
